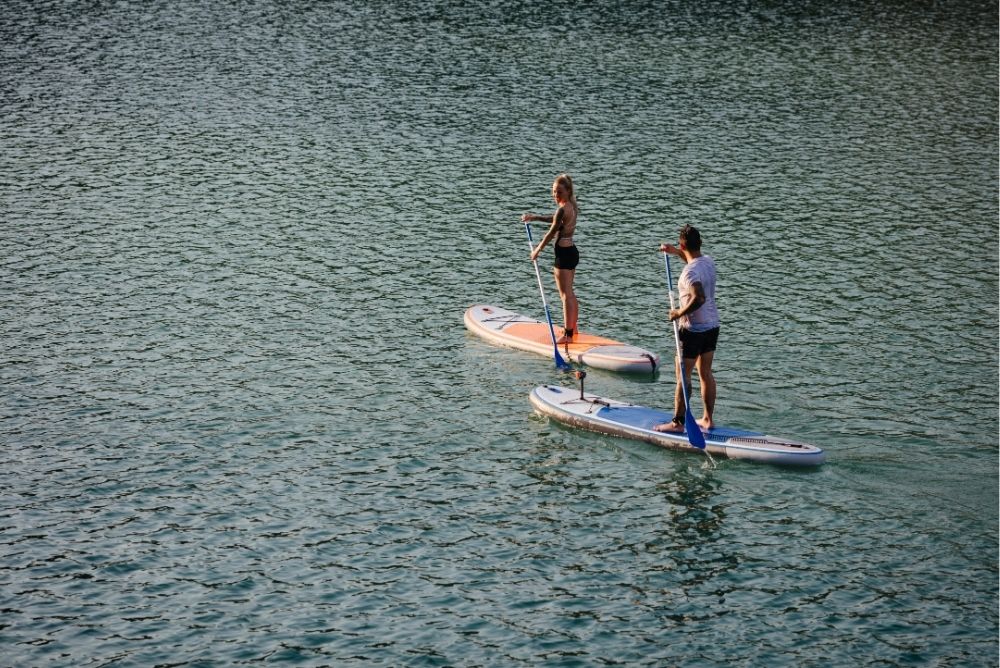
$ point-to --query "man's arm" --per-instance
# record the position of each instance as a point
(693, 305)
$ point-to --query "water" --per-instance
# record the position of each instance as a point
(242, 422)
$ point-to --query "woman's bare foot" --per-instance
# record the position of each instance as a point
(706, 424)
(567, 336)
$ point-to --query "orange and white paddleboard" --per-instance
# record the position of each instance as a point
(506, 328)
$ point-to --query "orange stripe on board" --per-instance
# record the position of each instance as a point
(539, 333)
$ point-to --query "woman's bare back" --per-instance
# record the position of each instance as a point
(567, 216)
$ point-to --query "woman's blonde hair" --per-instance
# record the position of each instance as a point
(567, 182)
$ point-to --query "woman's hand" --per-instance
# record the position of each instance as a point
(527, 217)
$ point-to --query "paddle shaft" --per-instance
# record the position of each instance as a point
(694, 434)
(560, 362)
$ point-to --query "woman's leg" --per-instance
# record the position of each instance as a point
(571, 307)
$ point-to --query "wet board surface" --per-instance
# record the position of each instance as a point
(507, 328)
(626, 420)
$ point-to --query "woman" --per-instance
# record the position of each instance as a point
(567, 256)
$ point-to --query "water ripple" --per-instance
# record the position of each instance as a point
(243, 424)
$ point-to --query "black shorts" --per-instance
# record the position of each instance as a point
(694, 344)
(567, 257)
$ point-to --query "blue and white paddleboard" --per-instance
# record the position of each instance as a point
(626, 420)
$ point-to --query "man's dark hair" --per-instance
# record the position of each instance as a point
(691, 238)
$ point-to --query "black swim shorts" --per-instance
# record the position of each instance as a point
(567, 257)
(697, 343)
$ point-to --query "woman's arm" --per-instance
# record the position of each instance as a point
(557, 221)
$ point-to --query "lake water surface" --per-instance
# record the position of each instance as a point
(242, 422)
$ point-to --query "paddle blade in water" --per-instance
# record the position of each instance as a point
(695, 436)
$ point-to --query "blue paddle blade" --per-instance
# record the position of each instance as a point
(560, 362)
(695, 437)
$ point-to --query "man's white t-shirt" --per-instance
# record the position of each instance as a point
(700, 270)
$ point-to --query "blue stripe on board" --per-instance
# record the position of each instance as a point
(647, 418)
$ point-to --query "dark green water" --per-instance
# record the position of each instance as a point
(241, 420)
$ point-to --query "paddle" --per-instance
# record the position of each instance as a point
(560, 362)
(694, 434)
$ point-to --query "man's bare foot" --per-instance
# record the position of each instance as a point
(706, 424)
(672, 427)
(567, 336)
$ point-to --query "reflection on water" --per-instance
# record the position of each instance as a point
(694, 534)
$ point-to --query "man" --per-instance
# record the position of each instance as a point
(698, 318)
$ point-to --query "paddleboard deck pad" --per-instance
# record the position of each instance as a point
(626, 420)
(506, 328)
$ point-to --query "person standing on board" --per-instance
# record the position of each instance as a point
(567, 256)
(698, 318)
